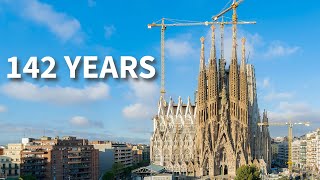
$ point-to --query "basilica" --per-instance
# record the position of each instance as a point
(219, 132)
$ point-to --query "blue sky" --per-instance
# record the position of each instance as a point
(283, 48)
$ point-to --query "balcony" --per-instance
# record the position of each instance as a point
(79, 161)
(79, 166)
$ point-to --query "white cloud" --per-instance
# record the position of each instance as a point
(278, 48)
(62, 25)
(180, 47)
(81, 121)
(295, 111)
(92, 3)
(109, 31)
(293, 107)
(143, 90)
(278, 95)
(145, 95)
(3, 108)
(266, 83)
(59, 95)
(138, 111)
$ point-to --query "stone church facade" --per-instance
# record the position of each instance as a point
(218, 133)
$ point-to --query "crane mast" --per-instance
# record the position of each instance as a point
(163, 28)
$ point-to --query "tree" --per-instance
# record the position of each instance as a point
(28, 177)
(283, 178)
(117, 168)
(108, 176)
(248, 172)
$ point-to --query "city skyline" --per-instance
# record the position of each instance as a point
(122, 109)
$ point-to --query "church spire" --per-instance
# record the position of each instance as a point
(234, 32)
(213, 45)
(222, 62)
(202, 80)
(243, 59)
(202, 62)
(234, 82)
(234, 74)
(213, 79)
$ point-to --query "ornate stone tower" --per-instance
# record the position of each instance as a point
(202, 140)
(234, 86)
(243, 111)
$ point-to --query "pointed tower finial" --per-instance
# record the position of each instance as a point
(202, 63)
(213, 45)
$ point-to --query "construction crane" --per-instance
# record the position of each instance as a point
(163, 25)
(290, 136)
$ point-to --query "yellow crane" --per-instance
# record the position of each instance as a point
(290, 136)
(163, 25)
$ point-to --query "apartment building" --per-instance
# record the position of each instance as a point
(274, 152)
(8, 169)
(137, 154)
(113, 152)
(296, 153)
(318, 149)
(303, 153)
(60, 159)
(10, 160)
(311, 155)
(283, 154)
(146, 154)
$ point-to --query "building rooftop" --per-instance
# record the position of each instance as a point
(148, 170)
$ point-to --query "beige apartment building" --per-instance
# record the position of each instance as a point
(10, 161)
(299, 153)
(318, 150)
(8, 169)
(311, 157)
(296, 153)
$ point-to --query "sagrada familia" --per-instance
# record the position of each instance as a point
(215, 135)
